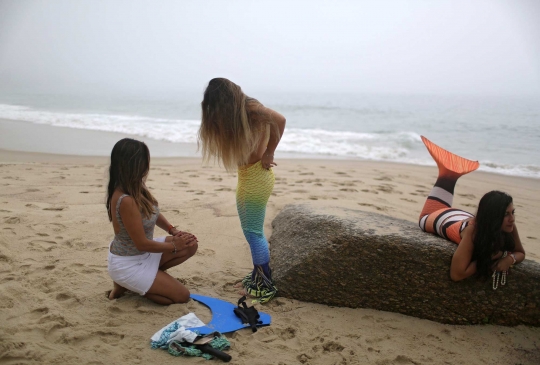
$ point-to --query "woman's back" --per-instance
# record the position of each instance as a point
(122, 244)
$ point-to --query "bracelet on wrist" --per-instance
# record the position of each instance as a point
(513, 258)
(169, 228)
(174, 251)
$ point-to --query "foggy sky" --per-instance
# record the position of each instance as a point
(160, 47)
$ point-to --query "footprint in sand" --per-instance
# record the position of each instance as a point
(408, 200)
(206, 252)
(387, 188)
(349, 190)
(383, 209)
(223, 189)
(370, 191)
(383, 178)
(42, 245)
(39, 312)
(10, 230)
(468, 196)
(13, 178)
(287, 333)
(215, 179)
(12, 220)
(32, 190)
(532, 238)
(55, 208)
(332, 346)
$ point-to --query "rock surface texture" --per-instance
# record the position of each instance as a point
(352, 258)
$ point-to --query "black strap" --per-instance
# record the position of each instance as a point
(248, 315)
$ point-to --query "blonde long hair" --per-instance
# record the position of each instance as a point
(232, 124)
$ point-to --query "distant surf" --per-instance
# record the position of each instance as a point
(384, 130)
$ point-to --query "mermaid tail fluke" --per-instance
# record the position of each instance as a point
(259, 284)
(448, 162)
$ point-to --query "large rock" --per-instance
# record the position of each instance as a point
(353, 258)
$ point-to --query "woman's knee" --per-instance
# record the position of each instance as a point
(181, 296)
(193, 249)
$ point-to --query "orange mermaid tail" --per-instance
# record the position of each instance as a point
(449, 163)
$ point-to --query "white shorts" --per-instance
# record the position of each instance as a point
(136, 273)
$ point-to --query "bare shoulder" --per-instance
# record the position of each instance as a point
(127, 201)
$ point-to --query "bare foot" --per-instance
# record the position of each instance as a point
(117, 291)
(242, 290)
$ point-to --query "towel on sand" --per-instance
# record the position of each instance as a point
(176, 331)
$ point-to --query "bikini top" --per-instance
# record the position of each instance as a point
(122, 244)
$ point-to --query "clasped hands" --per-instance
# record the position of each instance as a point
(181, 240)
(502, 263)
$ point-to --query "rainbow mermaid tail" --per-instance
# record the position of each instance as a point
(255, 184)
(448, 162)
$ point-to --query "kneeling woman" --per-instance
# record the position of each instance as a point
(137, 261)
(488, 243)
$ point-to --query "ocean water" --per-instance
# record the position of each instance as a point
(502, 133)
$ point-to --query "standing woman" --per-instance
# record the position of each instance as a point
(137, 260)
(243, 134)
(488, 243)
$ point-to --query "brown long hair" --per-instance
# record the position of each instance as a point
(130, 163)
(232, 124)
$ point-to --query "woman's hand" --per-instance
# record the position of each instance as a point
(184, 241)
(267, 161)
(503, 264)
(177, 232)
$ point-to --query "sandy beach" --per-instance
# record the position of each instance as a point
(53, 265)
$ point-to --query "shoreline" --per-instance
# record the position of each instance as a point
(28, 137)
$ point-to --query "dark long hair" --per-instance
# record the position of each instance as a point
(130, 163)
(489, 238)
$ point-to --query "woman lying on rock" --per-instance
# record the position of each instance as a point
(137, 260)
(488, 243)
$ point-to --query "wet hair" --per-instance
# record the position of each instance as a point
(130, 163)
(231, 124)
(489, 238)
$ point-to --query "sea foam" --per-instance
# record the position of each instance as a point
(398, 146)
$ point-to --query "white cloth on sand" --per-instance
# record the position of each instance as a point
(182, 333)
